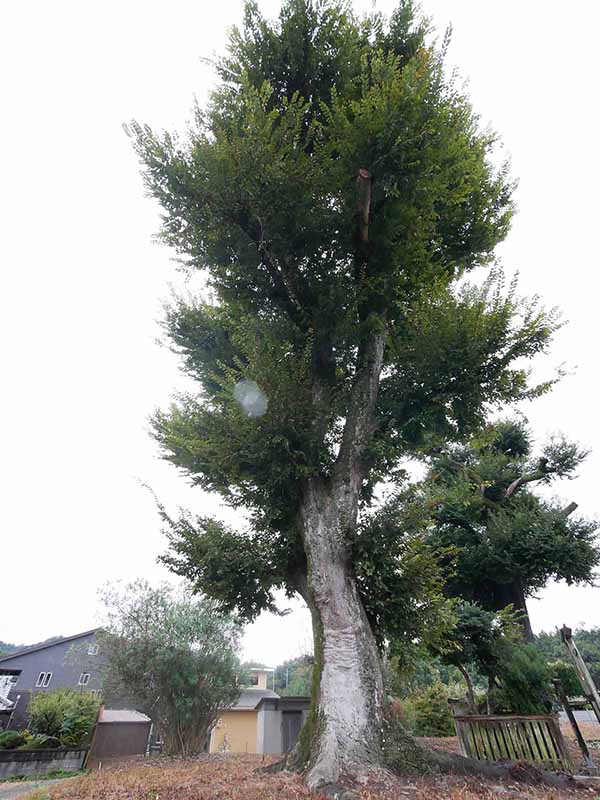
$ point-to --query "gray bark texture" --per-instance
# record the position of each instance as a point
(348, 716)
(346, 740)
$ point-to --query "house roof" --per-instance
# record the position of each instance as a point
(122, 715)
(250, 698)
(26, 650)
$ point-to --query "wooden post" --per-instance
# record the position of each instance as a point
(587, 684)
(569, 712)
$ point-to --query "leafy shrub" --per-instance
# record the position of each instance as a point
(427, 713)
(77, 726)
(525, 682)
(38, 741)
(10, 740)
(64, 715)
(566, 674)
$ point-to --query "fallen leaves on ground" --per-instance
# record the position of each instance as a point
(237, 778)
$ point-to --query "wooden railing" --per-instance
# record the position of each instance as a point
(537, 739)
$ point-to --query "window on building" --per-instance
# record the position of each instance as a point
(44, 679)
(93, 650)
(84, 678)
(253, 680)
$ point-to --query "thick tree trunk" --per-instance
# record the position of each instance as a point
(345, 739)
(521, 604)
(512, 593)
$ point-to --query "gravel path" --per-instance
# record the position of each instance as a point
(15, 789)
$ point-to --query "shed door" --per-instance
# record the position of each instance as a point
(291, 722)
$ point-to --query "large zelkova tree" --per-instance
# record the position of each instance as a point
(334, 192)
(503, 539)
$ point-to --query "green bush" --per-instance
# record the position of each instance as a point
(566, 674)
(427, 712)
(65, 715)
(524, 682)
(10, 740)
(38, 741)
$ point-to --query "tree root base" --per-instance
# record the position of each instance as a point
(405, 756)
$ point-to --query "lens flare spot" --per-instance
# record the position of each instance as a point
(253, 401)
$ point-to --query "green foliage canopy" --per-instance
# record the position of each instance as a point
(336, 188)
(506, 539)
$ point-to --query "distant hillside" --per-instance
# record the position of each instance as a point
(6, 648)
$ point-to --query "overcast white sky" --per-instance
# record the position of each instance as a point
(82, 282)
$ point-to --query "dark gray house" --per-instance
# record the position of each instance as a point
(73, 662)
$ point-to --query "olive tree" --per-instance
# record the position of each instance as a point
(172, 654)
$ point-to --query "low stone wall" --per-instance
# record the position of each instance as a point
(39, 762)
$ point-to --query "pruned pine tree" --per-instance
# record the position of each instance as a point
(334, 191)
(504, 539)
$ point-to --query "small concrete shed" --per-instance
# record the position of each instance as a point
(120, 733)
(260, 722)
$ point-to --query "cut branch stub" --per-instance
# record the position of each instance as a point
(363, 185)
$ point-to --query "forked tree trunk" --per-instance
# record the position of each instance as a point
(344, 734)
(469, 686)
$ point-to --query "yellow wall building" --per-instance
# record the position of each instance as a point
(235, 732)
(261, 721)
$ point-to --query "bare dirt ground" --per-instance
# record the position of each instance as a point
(236, 778)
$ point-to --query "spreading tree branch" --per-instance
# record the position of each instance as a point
(541, 472)
(286, 287)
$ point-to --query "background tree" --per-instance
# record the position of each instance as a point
(518, 677)
(6, 648)
(293, 678)
(333, 192)
(588, 643)
(502, 673)
(505, 540)
(475, 644)
(175, 655)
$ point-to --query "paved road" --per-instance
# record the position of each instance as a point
(580, 716)
(15, 789)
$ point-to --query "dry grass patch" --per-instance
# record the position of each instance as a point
(236, 778)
